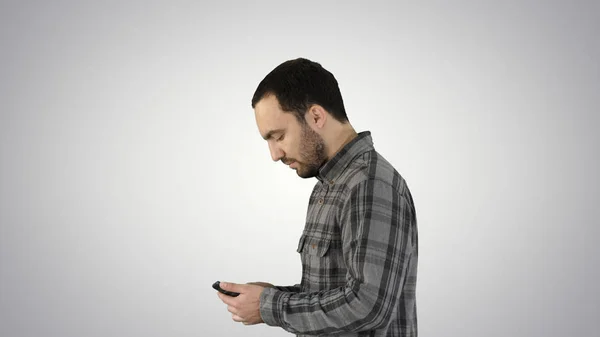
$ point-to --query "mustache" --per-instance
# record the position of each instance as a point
(287, 161)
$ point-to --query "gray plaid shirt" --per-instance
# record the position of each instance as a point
(359, 252)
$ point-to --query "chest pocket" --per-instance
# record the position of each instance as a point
(313, 246)
(323, 264)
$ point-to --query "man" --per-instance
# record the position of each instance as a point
(359, 247)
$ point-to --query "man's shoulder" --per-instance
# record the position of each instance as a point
(373, 168)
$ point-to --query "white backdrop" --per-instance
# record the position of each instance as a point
(132, 175)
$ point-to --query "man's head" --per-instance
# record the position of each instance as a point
(299, 111)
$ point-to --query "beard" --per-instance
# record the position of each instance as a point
(312, 152)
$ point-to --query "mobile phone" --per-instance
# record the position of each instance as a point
(217, 287)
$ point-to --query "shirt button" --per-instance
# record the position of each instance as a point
(321, 201)
(331, 182)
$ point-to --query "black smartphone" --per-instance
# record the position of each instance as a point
(217, 287)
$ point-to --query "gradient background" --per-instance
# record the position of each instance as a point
(132, 174)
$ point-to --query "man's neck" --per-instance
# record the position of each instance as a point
(345, 136)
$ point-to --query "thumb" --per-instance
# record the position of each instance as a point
(229, 286)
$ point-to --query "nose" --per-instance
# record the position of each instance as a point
(276, 152)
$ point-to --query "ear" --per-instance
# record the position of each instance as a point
(316, 116)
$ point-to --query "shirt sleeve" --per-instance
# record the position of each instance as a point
(293, 289)
(377, 235)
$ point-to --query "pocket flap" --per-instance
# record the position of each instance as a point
(314, 246)
(301, 243)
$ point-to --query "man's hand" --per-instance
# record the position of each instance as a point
(262, 284)
(245, 307)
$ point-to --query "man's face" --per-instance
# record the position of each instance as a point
(295, 144)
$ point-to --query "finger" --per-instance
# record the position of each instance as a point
(232, 310)
(236, 318)
(226, 299)
(234, 287)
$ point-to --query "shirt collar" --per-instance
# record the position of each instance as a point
(335, 166)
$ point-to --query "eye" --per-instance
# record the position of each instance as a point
(280, 138)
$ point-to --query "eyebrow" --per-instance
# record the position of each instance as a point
(270, 133)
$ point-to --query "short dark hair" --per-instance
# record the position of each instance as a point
(299, 83)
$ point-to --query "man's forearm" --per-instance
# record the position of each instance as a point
(342, 309)
(293, 289)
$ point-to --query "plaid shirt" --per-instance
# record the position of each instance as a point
(359, 252)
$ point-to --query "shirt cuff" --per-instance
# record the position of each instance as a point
(271, 306)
